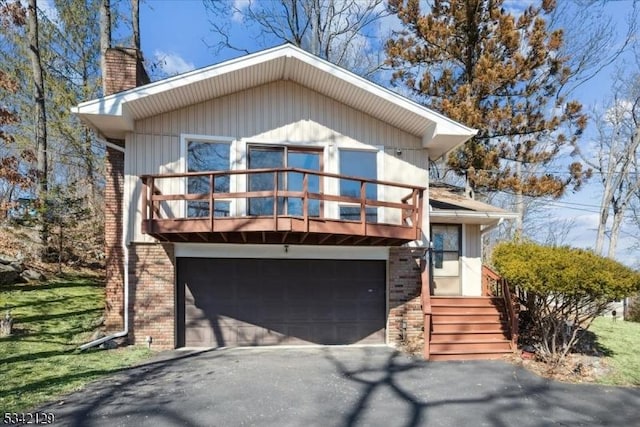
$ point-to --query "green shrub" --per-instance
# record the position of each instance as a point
(562, 289)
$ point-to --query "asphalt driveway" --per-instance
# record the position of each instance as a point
(338, 386)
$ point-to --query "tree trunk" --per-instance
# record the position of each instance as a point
(315, 19)
(135, 23)
(602, 226)
(41, 117)
(519, 203)
(618, 217)
(105, 39)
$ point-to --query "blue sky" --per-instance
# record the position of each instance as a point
(178, 31)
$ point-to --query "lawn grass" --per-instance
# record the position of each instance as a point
(622, 341)
(39, 361)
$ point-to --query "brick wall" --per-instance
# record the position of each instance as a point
(114, 187)
(404, 296)
(124, 70)
(152, 294)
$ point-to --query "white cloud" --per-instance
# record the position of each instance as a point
(621, 111)
(47, 7)
(171, 63)
(238, 8)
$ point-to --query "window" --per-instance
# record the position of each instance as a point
(361, 164)
(264, 157)
(205, 156)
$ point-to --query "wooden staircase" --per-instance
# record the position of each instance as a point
(465, 328)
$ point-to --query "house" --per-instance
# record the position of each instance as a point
(279, 199)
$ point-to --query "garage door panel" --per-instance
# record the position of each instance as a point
(196, 335)
(367, 310)
(322, 311)
(270, 302)
(346, 312)
(325, 332)
(274, 337)
(297, 313)
(297, 292)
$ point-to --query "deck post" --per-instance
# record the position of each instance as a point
(305, 201)
(152, 187)
(363, 211)
(425, 294)
(275, 200)
(415, 212)
(419, 212)
(212, 189)
(145, 205)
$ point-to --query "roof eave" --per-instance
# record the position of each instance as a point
(471, 217)
(441, 136)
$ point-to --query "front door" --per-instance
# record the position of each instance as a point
(445, 259)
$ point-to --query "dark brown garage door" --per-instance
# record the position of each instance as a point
(231, 302)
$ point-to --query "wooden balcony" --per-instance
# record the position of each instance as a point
(304, 213)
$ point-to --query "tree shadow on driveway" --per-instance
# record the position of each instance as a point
(337, 386)
(139, 382)
(415, 393)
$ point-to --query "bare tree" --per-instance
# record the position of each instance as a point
(39, 99)
(337, 30)
(593, 39)
(105, 38)
(135, 24)
(614, 157)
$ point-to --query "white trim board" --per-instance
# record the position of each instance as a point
(203, 250)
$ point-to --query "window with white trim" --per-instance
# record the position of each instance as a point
(206, 156)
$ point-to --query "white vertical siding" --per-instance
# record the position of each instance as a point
(278, 112)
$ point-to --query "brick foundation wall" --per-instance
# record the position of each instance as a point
(114, 256)
(152, 294)
(404, 297)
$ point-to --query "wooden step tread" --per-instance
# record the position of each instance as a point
(465, 307)
(466, 356)
(468, 322)
(467, 332)
(472, 341)
(465, 314)
(478, 300)
(497, 325)
(437, 297)
(465, 352)
(468, 317)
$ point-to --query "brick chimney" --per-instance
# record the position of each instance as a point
(125, 70)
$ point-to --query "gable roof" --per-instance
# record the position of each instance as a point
(113, 116)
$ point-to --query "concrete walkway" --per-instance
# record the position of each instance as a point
(338, 386)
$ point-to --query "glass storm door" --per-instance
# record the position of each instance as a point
(445, 261)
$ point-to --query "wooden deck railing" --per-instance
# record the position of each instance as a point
(410, 205)
(494, 285)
